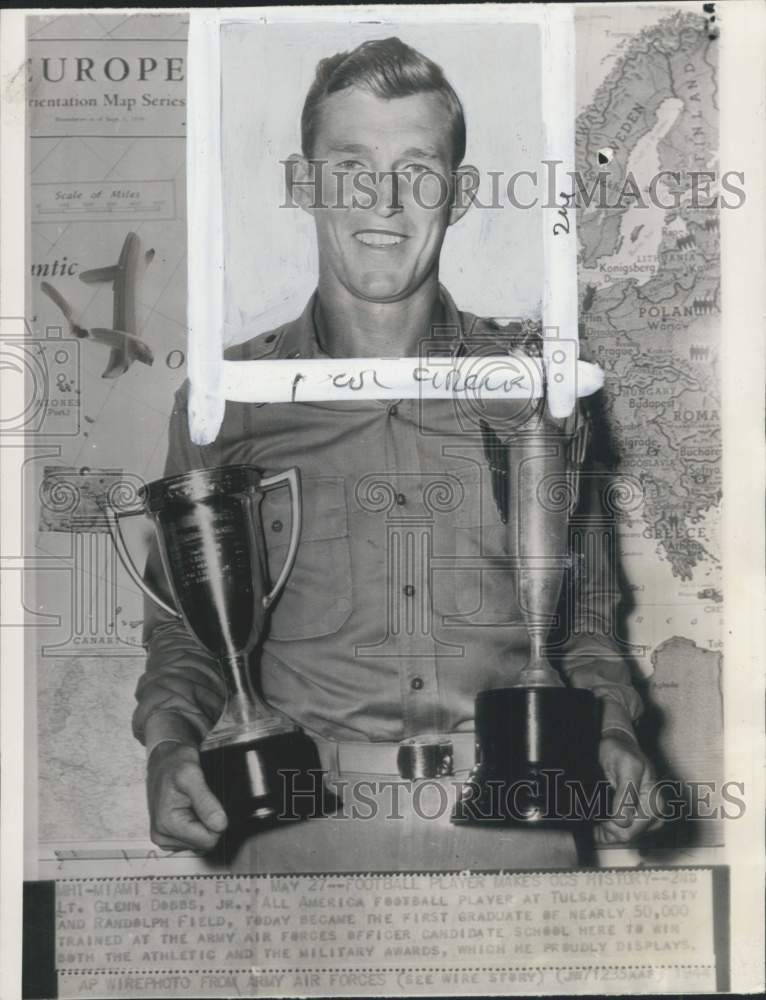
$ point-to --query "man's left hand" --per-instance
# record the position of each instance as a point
(631, 776)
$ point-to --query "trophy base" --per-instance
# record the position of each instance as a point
(538, 749)
(264, 779)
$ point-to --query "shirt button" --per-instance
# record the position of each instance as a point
(276, 525)
(401, 499)
(416, 683)
(408, 590)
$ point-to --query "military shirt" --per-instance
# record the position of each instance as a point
(401, 604)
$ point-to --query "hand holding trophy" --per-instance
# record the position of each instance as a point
(211, 542)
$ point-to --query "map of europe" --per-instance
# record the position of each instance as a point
(650, 278)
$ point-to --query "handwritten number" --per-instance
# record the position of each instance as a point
(563, 227)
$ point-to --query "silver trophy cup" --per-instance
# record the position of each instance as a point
(211, 542)
(537, 739)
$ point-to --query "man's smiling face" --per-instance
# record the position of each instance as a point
(381, 243)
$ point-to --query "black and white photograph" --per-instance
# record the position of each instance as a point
(380, 582)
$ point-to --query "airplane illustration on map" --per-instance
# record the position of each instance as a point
(126, 346)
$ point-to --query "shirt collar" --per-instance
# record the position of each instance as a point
(299, 338)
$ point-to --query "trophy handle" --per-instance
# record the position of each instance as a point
(291, 479)
(115, 530)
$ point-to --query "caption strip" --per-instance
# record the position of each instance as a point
(612, 931)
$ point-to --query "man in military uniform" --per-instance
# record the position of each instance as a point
(389, 625)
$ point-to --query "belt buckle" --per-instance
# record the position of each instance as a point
(426, 756)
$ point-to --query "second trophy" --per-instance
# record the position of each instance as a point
(536, 739)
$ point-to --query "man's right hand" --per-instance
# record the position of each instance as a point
(184, 812)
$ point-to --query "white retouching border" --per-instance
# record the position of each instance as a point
(213, 380)
(13, 270)
(742, 83)
(560, 306)
(204, 185)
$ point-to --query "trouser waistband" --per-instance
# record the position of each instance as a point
(428, 756)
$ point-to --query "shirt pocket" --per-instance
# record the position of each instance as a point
(317, 599)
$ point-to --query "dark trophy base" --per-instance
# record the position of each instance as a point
(538, 759)
(269, 779)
